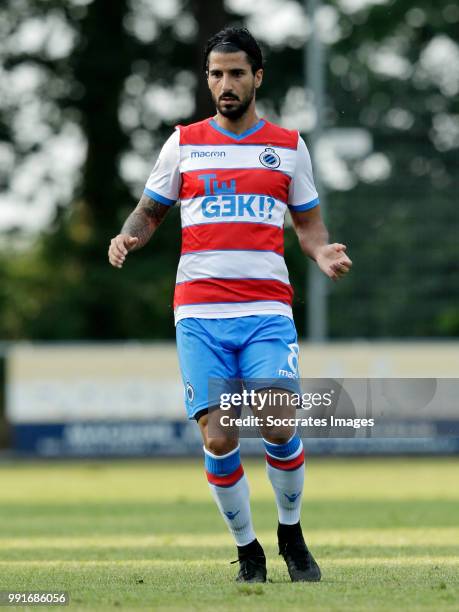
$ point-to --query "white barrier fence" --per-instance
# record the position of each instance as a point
(127, 399)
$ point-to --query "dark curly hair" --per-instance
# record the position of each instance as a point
(232, 40)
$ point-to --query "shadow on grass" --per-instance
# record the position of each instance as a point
(172, 553)
(193, 518)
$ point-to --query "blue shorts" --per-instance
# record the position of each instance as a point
(264, 348)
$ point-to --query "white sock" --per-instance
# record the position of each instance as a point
(230, 490)
(285, 469)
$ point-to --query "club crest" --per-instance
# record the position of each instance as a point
(189, 392)
(270, 158)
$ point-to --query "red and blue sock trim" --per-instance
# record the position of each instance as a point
(282, 451)
(286, 465)
(288, 456)
(223, 471)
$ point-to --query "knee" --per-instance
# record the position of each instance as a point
(220, 446)
(278, 437)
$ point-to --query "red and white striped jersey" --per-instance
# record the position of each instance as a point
(234, 190)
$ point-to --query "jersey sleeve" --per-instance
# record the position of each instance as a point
(302, 192)
(163, 184)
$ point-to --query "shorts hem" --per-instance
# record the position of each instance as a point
(293, 387)
(233, 314)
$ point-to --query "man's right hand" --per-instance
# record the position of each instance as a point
(119, 248)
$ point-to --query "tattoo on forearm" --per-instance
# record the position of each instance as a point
(144, 220)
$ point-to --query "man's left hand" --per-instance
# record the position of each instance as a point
(333, 261)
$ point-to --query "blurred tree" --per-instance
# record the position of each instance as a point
(211, 17)
(65, 288)
(392, 68)
(400, 220)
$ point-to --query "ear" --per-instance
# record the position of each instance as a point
(258, 78)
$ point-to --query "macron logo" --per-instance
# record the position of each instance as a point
(293, 497)
(207, 154)
(232, 515)
(286, 373)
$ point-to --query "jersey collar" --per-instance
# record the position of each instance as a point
(234, 136)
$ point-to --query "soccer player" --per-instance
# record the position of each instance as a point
(235, 175)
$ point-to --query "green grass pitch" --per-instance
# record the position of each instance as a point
(146, 535)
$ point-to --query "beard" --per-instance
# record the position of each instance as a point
(234, 108)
